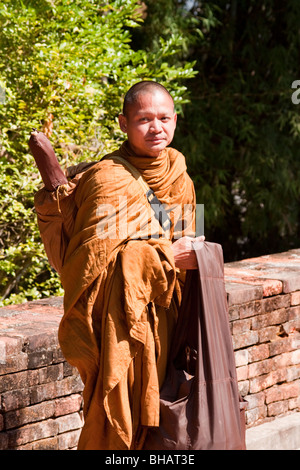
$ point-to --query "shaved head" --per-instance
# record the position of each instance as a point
(139, 88)
(148, 118)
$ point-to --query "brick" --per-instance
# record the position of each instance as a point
(68, 440)
(37, 359)
(259, 321)
(43, 392)
(282, 360)
(13, 364)
(292, 327)
(278, 408)
(255, 401)
(247, 310)
(293, 323)
(287, 359)
(242, 373)
(294, 312)
(289, 278)
(15, 399)
(245, 339)
(295, 340)
(59, 388)
(69, 370)
(271, 287)
(295, 357)
(295, 298)
(282, 392)
(69, 385)
(275, 303)
(241, 357)
(242, 293)
(294, 404)
(30, 414)
(42, 340)
(293, 373)
(233, 313)
(51, 373)
(58, 356)
(50, 443)
(243, 386)
(271, 318)
(290, 282)
(255, 415)
(69, 422)
(260, 368)
(3, 441)
(291, 390)
(68, 405)
(241, 326)
(257, 384)
(270, 333)
(258, 353)
(31, 432)
(278, 316)
(280, 346)
(19, 380)
(10, 346)
(274, 394)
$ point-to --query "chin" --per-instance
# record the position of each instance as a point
(156, 149)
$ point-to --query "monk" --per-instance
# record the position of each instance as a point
(121, 269)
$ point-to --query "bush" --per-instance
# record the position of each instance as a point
(65, 67)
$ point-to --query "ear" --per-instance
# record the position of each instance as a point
(122, 123)
(175, 119)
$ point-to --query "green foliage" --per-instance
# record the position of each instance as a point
(241, 131)
(65, 67)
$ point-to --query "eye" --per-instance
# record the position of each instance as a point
(165, 118)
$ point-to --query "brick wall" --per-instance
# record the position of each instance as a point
(40, 393)
(264, 312)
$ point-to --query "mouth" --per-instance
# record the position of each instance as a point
(156, 140)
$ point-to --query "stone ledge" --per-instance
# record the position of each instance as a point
(279, 434)
(40, 394)
(27, 332)
(264, 276)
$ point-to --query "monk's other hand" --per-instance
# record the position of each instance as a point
(184, 253)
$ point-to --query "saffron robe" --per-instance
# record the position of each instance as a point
(122, 291)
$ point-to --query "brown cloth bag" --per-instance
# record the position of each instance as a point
(200, 406)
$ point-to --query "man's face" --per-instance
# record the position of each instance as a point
(150, 123)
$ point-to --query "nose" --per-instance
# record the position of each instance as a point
(155, 126)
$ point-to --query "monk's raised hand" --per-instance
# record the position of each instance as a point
(184, 253)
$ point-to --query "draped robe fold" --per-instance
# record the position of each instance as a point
(121, 287)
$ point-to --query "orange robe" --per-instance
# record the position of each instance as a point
(121, 288)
